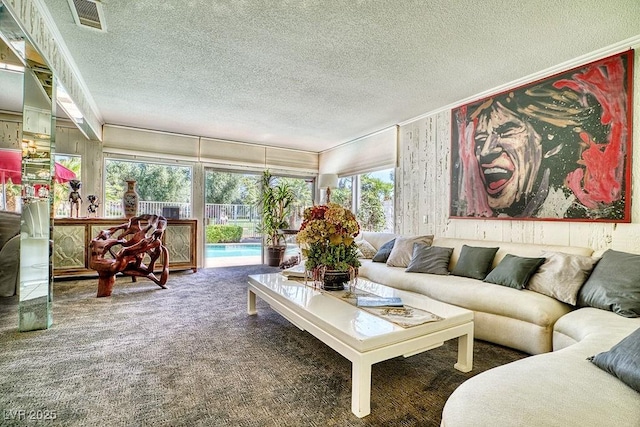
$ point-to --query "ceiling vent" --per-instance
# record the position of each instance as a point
(88, 14)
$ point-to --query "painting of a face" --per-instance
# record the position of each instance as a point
(554, 149)
(509, 153)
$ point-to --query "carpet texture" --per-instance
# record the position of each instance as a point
(190, 355)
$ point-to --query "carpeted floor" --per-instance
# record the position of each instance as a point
(191, 356)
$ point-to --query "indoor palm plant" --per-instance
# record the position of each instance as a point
(326, 238)
(275, 203)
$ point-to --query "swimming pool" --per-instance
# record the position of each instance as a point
(219, 250)
(232, 250)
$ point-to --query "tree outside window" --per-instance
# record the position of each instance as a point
(158, 185)
(375, 207)
(374, 198)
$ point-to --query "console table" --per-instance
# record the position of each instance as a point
(71, 238)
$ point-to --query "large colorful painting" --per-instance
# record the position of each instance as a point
(557, 149)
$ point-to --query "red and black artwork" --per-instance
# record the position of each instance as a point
(556, 149)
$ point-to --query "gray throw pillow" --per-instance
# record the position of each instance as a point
(514, 271)
(474, 262)
(614, 284)
(430, 259)
(562, 275)
(402, 251)
(383, 253)
(623, 360)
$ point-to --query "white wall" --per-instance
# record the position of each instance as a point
(422, 193)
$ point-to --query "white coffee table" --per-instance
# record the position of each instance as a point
(361, 337)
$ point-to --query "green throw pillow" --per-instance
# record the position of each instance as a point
(623, 360)
(514, 271)
(429, 259)
(474, 262)
(384, 252)
(614, 284)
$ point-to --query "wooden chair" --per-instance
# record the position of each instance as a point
(122, 249)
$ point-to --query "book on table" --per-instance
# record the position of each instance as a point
(374, 301)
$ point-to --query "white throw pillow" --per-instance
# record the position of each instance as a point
(562, 275)
(402, 251)
(366, 249)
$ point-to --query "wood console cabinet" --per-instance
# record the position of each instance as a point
(71, 238)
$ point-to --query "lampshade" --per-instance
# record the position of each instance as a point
(328, 180)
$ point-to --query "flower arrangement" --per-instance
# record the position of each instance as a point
(326, 238)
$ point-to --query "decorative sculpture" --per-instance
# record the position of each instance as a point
(92, 209)
(139, 237)
(74, 196)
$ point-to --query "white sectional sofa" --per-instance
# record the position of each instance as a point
(557, 386)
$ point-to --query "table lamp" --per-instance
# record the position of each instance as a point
(328, 181)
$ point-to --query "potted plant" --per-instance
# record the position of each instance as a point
(275, 203)
(326, 238)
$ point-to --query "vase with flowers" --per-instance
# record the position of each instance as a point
(326, 238)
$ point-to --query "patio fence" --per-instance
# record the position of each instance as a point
(246, 216)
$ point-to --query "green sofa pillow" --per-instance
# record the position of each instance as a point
(623, 360)
(474, 262)
(514, 271)
(614, 284)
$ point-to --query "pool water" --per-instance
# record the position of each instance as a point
(232, 250)
(218, 250)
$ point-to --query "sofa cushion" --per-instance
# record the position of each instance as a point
(474, 262)
(562, 275)
(623, 360)
(514, 271)
(429, 259)
(614, 284)
(383, 253)
(366, 249)
(402, 251)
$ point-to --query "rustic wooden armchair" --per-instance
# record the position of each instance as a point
(122, 249)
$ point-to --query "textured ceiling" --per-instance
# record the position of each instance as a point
(312, 74)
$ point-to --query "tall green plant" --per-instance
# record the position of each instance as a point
(275, 204)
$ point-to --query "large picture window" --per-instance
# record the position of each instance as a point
(158, 185)
(370, 196)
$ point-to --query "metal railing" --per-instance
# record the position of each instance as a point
(113, 209)
(246, 216)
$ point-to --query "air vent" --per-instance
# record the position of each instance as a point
(88, 13)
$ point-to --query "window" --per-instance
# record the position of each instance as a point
(158, 185)
(231, 199)
(67, 167)
(375, 200)
(372, 195)
(343, 195)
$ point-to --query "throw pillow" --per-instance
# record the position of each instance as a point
(402, 251)
(614, 284)
(383, 253)
(623, 360)
(514, 271)
(562, 275)
(474, 262)
(366, 249)
(430, 259)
